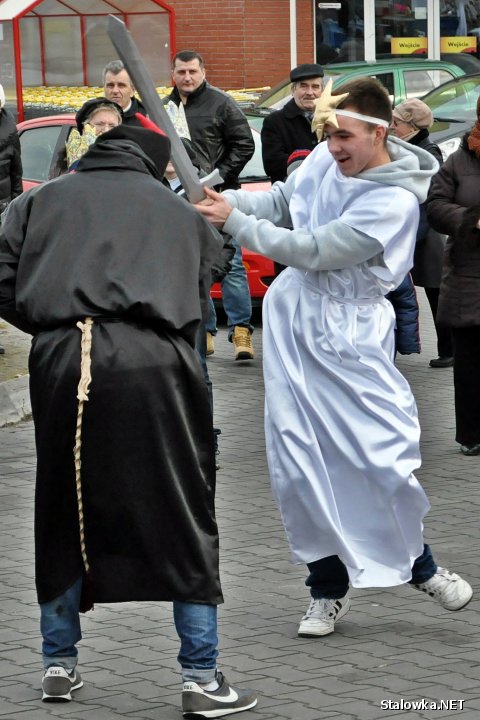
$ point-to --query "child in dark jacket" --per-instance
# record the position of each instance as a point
(405, 304)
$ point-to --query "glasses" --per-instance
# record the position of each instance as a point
(104, 125)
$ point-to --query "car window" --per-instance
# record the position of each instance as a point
(279, 97)
(456, 101)
(38, 146)
(388, 81)
(420, 82)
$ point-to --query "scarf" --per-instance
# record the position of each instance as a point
(474, 139)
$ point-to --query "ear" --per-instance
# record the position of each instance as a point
(380, 134)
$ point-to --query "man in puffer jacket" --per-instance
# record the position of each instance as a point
(10, 162)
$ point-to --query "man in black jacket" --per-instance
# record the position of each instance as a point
(222, 139)
(119, 88)
(289, 129)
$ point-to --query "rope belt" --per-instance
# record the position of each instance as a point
(82, 396)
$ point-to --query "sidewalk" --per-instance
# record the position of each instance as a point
(394, 645)
(14, 398)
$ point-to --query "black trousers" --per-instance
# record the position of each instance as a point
(444, 334)
(466, 378)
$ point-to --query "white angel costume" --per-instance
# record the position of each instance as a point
(341, 422)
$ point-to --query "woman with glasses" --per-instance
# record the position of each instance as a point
(93, 119)
(412, 120)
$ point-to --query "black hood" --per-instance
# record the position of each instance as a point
(155, 146)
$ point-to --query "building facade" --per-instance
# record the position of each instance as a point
(251, 43)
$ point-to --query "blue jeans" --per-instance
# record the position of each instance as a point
(329, 578)
(237, 302)
(196, 627)
(201, 350)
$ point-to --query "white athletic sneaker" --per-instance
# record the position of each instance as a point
(451, 591)
(321, 616)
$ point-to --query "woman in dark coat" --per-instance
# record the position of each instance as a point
(453, 207)
(411, 122)
(10, 162)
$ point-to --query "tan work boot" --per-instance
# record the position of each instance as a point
(210, 344)
(242, 342)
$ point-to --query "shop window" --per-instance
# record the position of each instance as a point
(339, 31)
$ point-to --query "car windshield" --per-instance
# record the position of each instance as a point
(254, 169)
(455, 101)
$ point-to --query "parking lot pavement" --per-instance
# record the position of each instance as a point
(14, 397)
(395, 646)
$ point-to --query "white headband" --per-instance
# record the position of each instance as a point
(365, 118)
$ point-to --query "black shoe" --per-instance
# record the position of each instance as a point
(225, 700)
(441, 362)
(470, 449)
(216, 433)
(2, 350)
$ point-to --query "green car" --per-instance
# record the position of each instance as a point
(403, 79)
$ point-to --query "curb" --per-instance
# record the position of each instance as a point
(15, 401)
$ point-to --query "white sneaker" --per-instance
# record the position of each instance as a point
(321, 616)
(451, 591)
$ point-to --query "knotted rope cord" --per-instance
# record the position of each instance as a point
(82, 396)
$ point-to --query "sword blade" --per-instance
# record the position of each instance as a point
(131, 58)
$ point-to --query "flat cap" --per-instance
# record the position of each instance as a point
(415, 112)
(303, 72)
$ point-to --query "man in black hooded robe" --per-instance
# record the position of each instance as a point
(108, 270)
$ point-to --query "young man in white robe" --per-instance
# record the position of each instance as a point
(342, 429)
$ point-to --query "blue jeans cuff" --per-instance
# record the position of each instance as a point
(203, 676)
(67, 662)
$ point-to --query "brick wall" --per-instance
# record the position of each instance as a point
(245, 43)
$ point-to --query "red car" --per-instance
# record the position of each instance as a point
(43, 157)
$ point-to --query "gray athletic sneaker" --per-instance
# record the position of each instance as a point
(226, 700)
(58, 683)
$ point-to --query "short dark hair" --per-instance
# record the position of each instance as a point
(368, 96)
(188, 56)
(115, 67)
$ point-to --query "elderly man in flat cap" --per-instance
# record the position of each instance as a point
(289, 129)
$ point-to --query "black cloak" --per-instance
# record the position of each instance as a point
(111, 242)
